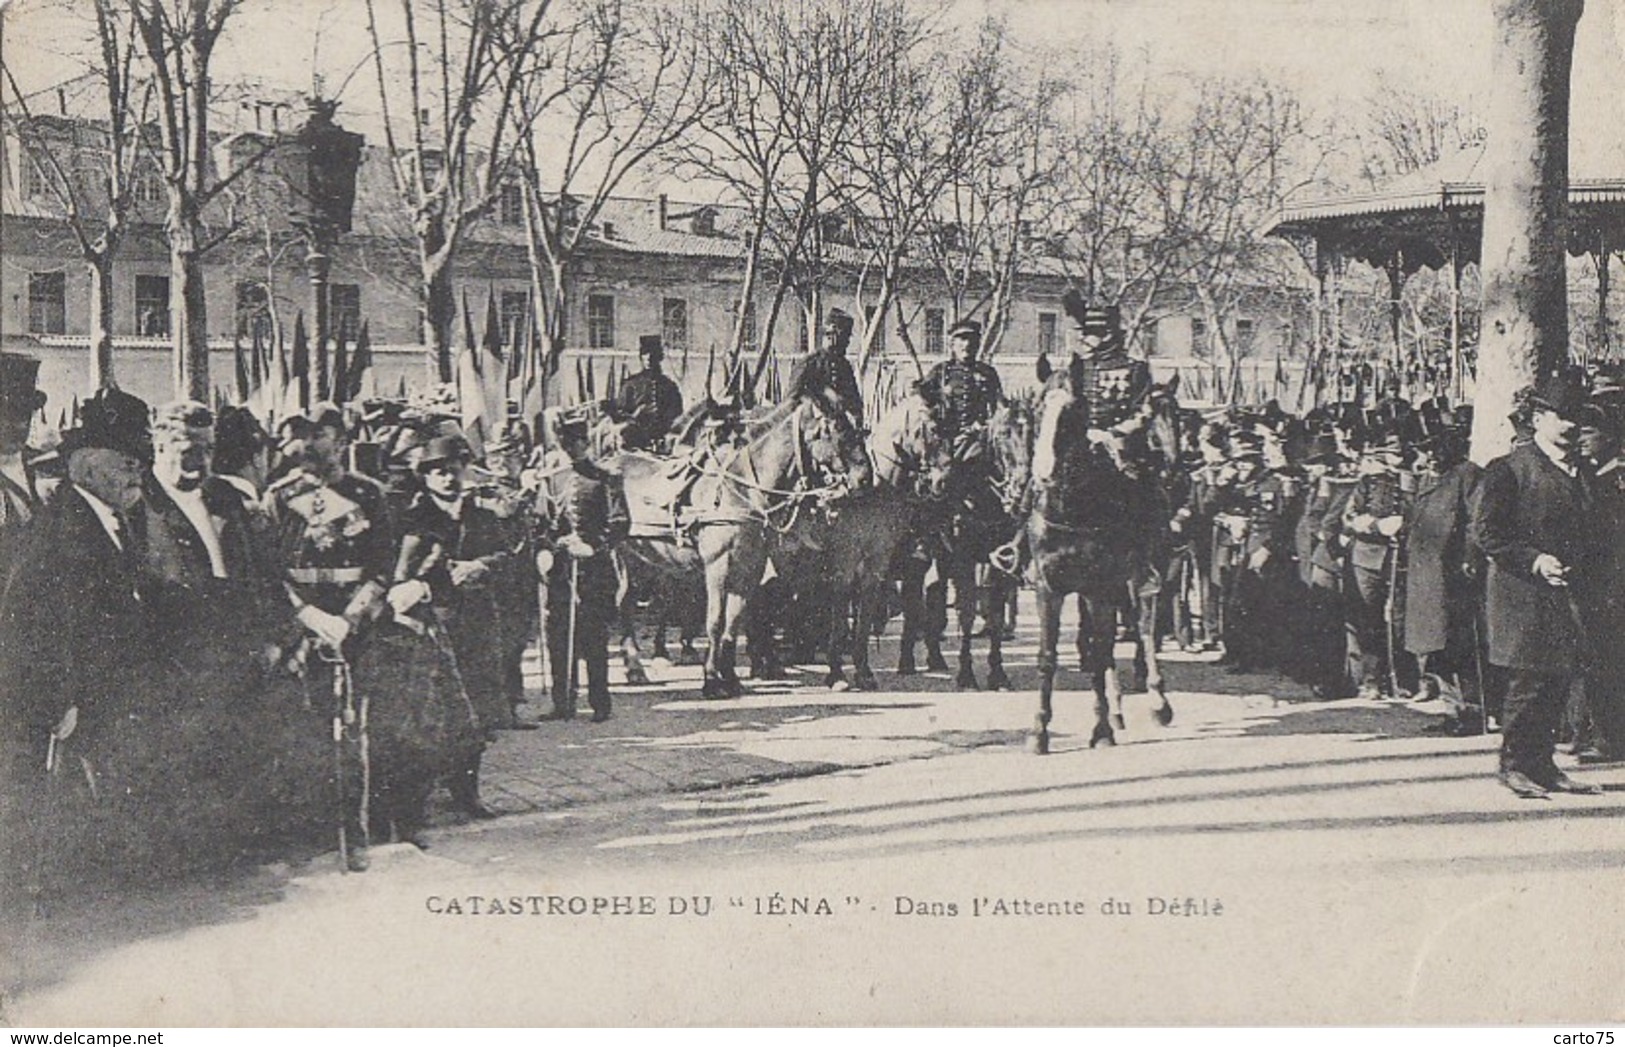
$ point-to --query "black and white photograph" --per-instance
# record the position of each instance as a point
(812, 513)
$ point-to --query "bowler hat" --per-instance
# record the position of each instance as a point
(1558, 391)
(238, 437)
(650, 345)
(114, 420)
(19, 376)
(443, 449)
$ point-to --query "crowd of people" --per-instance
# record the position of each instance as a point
(384, 576)
(1362, 551)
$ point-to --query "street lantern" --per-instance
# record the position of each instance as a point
(319, 163)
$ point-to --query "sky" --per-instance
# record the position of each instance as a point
(1333, 52)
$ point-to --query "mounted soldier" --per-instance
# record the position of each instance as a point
(1102, 376)
(648, 402)
(826, 377)
(962, 391)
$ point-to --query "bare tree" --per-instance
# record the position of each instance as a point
(178, 38)
(97, 184)
(619, 87)
(1408, 130)
(448, 88)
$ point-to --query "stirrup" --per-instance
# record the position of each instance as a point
(1007, 557)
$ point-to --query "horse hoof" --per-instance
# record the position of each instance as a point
(1117, 722)
(1165, 714)
(1038, 744)
(637, 676)
(967, 682)
(1103, 737)
(998, 681)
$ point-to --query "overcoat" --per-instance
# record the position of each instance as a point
(1527, 505)
(1440, 601)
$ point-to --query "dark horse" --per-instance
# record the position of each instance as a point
(743, 500)
(1094, 530)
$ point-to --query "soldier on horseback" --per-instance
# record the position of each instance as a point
(962, 391)
(826, 377)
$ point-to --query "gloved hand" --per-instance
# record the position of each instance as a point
(403, 596)
(1389, 526)
(576, 547)
(465, 571)
(330, 629)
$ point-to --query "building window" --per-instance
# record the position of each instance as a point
(600, 321)
(674, 324)
(935, 321)
(511, 204)
(48, 303)
(344, 308)
(514, 311)
(253, 312)
(1198, 335)
(31, 178)
(149, 185)
(152, 306)
(1244, 334)
(1148, 336)
(1046, 333)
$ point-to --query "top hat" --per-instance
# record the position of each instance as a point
(1244, 443)
(1557, 391)
(967, 328)
(1322, 448)
(238, 437)
(443, 448)
(112, 420)
(19, 376)
(571, 422)
(650, 345)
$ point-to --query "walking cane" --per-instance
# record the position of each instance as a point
(570, 635)
(1389, 613)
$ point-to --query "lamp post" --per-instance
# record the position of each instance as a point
(319, 163)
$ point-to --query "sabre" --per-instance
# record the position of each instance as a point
(1389, 615)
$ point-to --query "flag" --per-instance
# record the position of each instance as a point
(471, 399)
(581, 381)
(240, 359)
(300, 371)
(493, 326)
(468, 325)
(360, 364)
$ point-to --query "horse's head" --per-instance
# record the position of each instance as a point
(1010, 434)
(908, 452)
(835, 448)
(1163, 432)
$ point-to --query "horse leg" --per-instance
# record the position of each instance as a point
(965, 594)
(1154, 685)
(997, 595)
(913, 616)
(631, 657)
(935, 624)
(727, 665)
(835, 678)
(866, 604)
(1102, 632)
(716, 617)
(1049, 630)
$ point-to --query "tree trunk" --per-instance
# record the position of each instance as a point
(188, 313)
(1524, 327)
(439, 300)
(101, 322)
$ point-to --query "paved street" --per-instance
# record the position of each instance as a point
(897, 856)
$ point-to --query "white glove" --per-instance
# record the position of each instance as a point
(576, 547)
(403, 596)
(1256, 562)
(463, 571)
(1389, 526)
(330, 629)
(1364, 523)
(544, 561)
(1551, 570)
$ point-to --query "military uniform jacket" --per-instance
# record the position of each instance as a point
(961, 394)
(1319, 536)
(586, 500)
(1527, 506)
(1377, 495)
(431, 538)
(334, 540)
(1111, 384)
(648, 403)
(1253, 514)
(827, 379)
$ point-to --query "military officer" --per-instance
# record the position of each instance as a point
(1108, 382)
(648, 402)
(1253, 524)
(962, 391)
(1373, 521)
(826, 377)
(1330, 482)
(581, 514)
